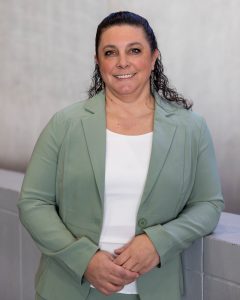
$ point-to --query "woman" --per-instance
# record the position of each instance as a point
(119, 185)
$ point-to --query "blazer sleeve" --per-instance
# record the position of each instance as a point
(38, 209)
(202, 210)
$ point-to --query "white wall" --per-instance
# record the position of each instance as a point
(46, 54)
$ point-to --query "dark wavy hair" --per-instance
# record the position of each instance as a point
(159, 80)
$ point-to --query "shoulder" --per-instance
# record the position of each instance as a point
(191, 122)
(71, 112)
(71, 117)
(194, 126)
(187, 122)
(77, 111)
(189, 119)
(189, 125)
(179, 116)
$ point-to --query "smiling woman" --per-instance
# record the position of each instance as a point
(125, 61)
(120, 184)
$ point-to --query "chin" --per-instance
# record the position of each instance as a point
(125, 90)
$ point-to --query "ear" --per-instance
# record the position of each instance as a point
(155, 55)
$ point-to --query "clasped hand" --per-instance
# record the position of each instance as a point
(110, 273)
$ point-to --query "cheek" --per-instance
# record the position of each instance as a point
(147, 69)
(105, 75)
(105, 71)
(106, 66)
(145, 64)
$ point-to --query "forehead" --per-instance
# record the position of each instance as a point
(123, 34)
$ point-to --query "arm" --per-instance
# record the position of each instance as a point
(38, 209)
(202, 210)
(198, 218)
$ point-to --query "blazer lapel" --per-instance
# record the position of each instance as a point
(94, 128)
(95, 132)
(163, 135)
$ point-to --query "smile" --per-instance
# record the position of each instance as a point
(124, 76)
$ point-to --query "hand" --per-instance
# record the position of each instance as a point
(139, 255)
(105, 275)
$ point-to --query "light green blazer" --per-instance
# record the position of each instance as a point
(62, 198)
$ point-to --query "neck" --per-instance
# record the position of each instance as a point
(137, 104)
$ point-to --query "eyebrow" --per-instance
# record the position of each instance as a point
(129, 45)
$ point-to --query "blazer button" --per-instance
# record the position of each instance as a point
(142, 222)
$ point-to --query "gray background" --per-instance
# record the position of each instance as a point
(46, 61)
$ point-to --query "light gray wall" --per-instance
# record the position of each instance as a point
(46, 54)
(211, 268)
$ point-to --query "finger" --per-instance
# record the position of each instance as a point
(110, 288)
(117, 280)
(116, 270)
(119, 251)
(132, 266)
(137, 268)
(129, 276)
(122, 258)
(108, 255)
(126, 275)
(115, 287)
(128, 281)
(143, 270)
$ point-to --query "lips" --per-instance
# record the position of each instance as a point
(124, 76)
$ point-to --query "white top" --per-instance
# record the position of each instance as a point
(127, 162)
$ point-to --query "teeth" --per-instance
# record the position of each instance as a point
(124, 76)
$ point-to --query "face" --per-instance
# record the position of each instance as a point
(125, 60)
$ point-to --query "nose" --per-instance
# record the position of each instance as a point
(122, 62)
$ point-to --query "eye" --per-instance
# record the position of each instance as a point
(109, 53)
(135, 50)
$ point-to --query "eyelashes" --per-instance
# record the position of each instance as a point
(134, 51)
(109, 53)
